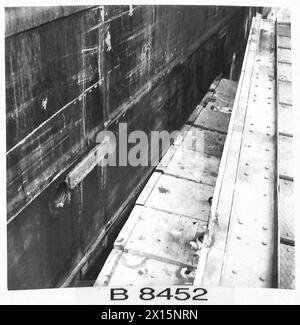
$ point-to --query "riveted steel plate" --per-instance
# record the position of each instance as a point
(219, 97)
(251, 243)
(227, 188)
(212, 119)
(181, 196)
(133, 269)
(165, 236)
(192, 165)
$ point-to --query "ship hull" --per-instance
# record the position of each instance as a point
(72, 72)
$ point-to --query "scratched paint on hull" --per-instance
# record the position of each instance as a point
(63, 86)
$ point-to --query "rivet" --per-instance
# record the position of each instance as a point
(247, 164)
(246, 174)
(266, 177)
(264, 228)
(238, 237)
(267, 149)
(266, 167)
(234, 272)
(261, 279)
(264, 243)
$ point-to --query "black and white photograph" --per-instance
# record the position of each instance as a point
(149, 146)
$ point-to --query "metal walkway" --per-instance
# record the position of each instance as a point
(245, 238)
(285, 179)
(251, 222)
(159, 243)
